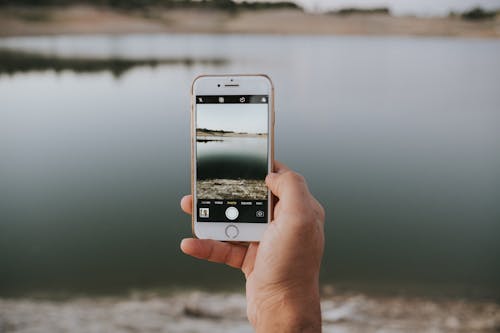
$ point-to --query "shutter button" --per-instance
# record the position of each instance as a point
(232, 213)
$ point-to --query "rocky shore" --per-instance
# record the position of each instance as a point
(238, 189)
(195, 311)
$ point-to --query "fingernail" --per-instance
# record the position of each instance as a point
(183, 242)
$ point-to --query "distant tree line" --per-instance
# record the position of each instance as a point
(478, 13)
(475, 14)
(353, 10)
(131, 4)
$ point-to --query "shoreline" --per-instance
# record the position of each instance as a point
(86, 20)
(200, 135)
(202, 311)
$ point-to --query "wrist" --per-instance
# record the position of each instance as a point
(293, 310)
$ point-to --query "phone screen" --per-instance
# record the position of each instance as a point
(232, 158)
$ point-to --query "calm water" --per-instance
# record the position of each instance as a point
(232, 157)
(399, 138)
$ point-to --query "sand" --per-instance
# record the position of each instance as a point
(88, 20)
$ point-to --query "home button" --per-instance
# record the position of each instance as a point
(232, 231)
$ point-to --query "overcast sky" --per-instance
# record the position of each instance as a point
(249, 118)
(403, 7)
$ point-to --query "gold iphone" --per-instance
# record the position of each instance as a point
(232, 144)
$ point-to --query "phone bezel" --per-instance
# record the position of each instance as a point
(256, 84)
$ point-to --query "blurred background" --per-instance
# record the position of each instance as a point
(390, 109)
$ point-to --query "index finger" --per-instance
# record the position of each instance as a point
(226, 253)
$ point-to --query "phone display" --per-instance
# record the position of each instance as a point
(232, 158)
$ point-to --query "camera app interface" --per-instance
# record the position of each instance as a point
(232, 157)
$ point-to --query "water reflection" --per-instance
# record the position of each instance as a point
(15, 61)
(398, 137)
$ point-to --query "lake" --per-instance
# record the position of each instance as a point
(398, 137)
(231, 157)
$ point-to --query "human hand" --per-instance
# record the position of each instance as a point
(282, 271)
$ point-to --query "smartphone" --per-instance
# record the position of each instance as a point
(232, 135)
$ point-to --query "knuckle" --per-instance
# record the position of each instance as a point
(293, 176)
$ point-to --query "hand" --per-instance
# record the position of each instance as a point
(282, 271)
